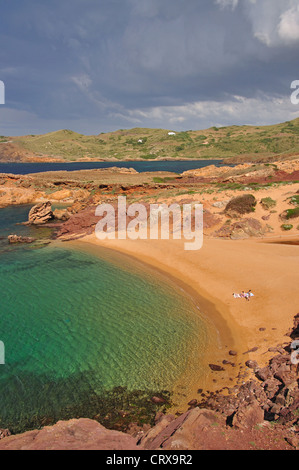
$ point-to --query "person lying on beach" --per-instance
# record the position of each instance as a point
(244, 295)
(237, 296)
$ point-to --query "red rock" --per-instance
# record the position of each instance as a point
(158, 400)
(216, 368)
(192, 402)
(248, 415)
(81, 434)
(233, 353)
(251, 364)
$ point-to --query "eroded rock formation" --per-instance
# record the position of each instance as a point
(40, 213)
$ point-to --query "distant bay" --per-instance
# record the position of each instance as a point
(140, 166)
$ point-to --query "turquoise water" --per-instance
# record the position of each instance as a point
(86, 336)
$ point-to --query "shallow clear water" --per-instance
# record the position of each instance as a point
(76, 326)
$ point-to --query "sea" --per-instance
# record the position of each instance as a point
(175, 166)
(94, 336)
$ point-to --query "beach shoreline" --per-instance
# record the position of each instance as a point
(211, 275)
(219, 337)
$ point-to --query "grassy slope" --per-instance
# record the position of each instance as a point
(247, 141)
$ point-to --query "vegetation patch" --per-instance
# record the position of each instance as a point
(294, 200)
(268, 203)
(241, 204)
(215, 143)
(292, 213)
(158, 179)
(286, 227)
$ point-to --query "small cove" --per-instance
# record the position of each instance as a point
(88, 336)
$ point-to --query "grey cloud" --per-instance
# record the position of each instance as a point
(109, 63)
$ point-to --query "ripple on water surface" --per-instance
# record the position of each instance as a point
(75, 326)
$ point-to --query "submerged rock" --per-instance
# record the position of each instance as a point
(158, 400)
(19, 239)
(216, 368)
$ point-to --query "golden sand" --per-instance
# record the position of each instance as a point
(213, 274)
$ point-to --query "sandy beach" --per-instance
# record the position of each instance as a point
(212, 275)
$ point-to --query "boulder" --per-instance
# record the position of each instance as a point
(293, 441)
(232, 353)
(61, 214)
(246, 228)
(264, 373)
(248, 415)
(251, 364)
(158, 400)
(40, 214)
(271, 387)
(19, 239)
(187, 432)
(216, 368)
(193, 402)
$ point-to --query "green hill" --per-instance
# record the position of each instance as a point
(244, 142)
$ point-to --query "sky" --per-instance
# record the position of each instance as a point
(96, 66)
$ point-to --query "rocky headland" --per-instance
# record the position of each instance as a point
(215, 187)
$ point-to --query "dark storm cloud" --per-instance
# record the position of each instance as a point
(95, 65)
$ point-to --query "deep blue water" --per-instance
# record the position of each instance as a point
(172, 166)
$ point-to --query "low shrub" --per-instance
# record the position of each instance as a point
(268, 203)
(241, 204)
(292, 213)
(294, 200)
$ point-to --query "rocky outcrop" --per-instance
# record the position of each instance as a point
(19, 239)
(242, 229)
(79, 224)
(40, 213)
(81, 434)
(248, 415)
(274, 389)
